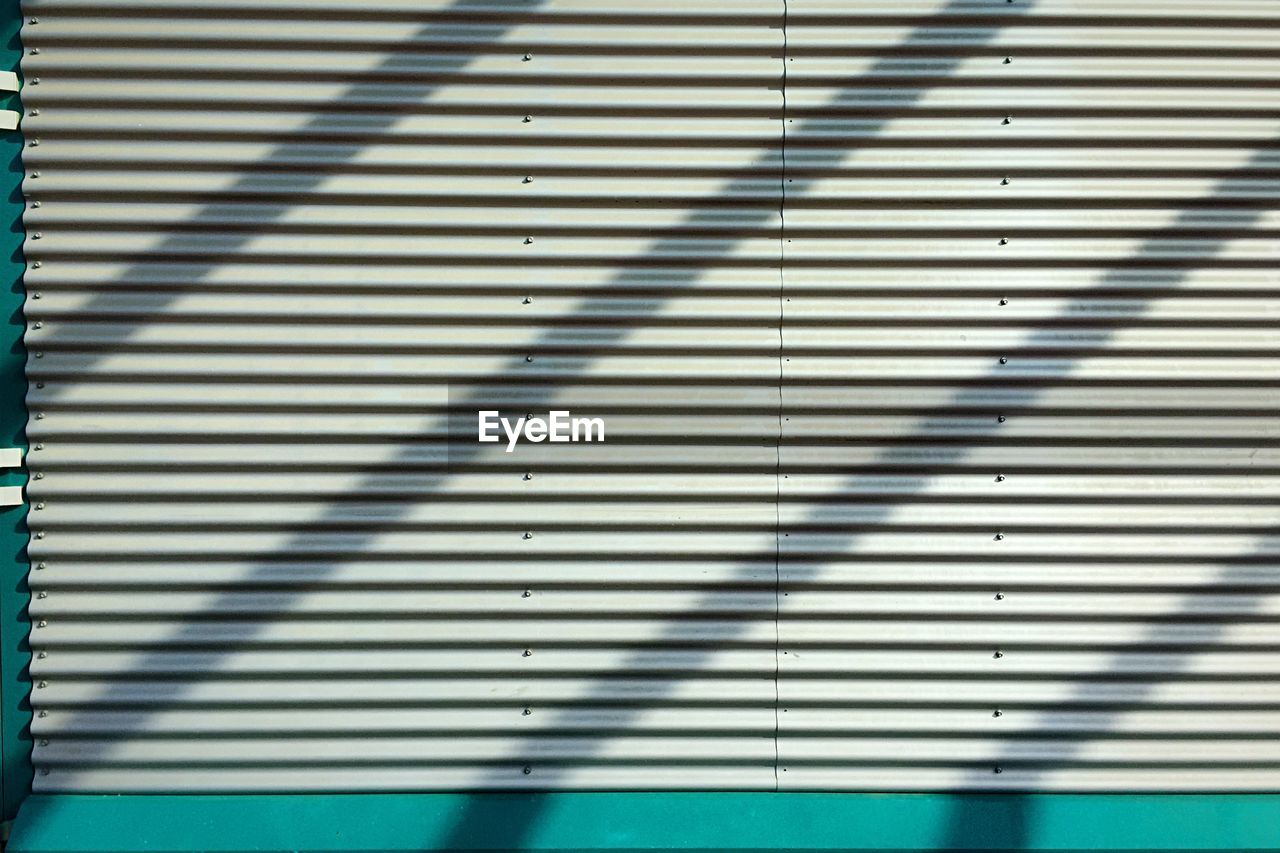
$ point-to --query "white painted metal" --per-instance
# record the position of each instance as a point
(935, 338)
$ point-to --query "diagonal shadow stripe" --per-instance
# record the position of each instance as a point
(726, 245)
(517, 826)
(1014, 817)
(218, 242)
(374, 125)
(963, 830)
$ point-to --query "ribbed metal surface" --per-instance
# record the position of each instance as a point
(935, 340)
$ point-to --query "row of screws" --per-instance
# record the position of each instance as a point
(528, 593)
(1004, 241)
(44, 771)
(528, 179)
(35, 51)
(528, 118)
(35, 203)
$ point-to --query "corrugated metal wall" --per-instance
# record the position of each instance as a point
(935, 342)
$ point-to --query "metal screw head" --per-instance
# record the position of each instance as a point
(42, 595)
(37, 264)
(1004, 360)
(42, 655)
(1004, 241)
(44, 771)
(528, 476)
(528, 535)
(39, 476)
(42, 624)
(43, 714)
(527, 770)
(996, 770)
(526, 594)
(1000, 418)
(998, 655)
(39, 416)
(1004, 301)
(527, 57)
(37, 295)
(33, 21)
(39, 384)
(1007, 120)
(528, 179)
(34, 112)
(1008, 59)
(35, 203)
(40, 565)
(44, 742)
(528, 240)
(528, 653)
(528, 358)
(37, 236)
(997, 713)
(34, 81)
(528, 119)
(999, 536)
(999, 478)
(34, 143)
(40, 534)
(528, 300)
(1004, 182)
(35, 51)
(999, 596)
(35, 175)
(526, 712)
(40, 685)
(37, 325)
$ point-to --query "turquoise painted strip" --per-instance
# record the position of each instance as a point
(15, 654)
(647, 821)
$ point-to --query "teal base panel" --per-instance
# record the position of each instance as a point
(646, 821)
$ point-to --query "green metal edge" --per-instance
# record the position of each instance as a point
(647, 821)
(15, 653)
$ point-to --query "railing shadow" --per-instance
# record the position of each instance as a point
(968, 830)
(518, 825)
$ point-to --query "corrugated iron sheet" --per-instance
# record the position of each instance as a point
(935, 340)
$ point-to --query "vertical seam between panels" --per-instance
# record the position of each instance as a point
(777, 503)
